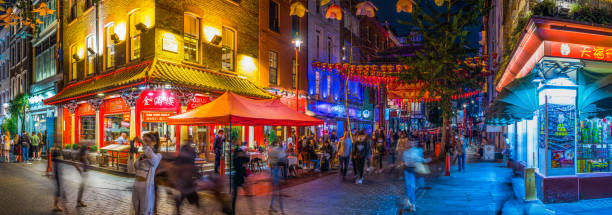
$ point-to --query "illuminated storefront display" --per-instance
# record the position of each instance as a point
(116, 121)
(86, 119)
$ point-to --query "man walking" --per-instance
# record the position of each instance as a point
(359, 154)
(460, 149)
(218, 147)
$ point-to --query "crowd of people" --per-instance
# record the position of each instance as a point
(25, 147)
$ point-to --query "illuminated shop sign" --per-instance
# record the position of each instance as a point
(337, 110)
(580, 51)
(156, 116)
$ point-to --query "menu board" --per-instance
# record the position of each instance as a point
(156, 116)
(561, 135)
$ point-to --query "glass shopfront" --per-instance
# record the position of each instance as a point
(116, 128)
(86, 124)
(116, 122)
(155, 122)
(593, 148)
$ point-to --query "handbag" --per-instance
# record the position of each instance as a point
(421, 168)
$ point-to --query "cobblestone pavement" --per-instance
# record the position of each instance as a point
(481, 190)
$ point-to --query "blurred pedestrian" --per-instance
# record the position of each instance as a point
(7, 147)
(379, 152)
(327, 152)
(81, 167)
(35, 146)
(413, 163)
(460, 148)
(57, 175)
(278, 159)
(218, 148)
(143, 194)
(241, 161)
(43, 140)
(17, 148)
(359, 154)
(25, 146)
(134, 145)
(344, 153)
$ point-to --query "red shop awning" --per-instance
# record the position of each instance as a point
(239, 110)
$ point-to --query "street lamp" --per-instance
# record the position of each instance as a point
(297, 42)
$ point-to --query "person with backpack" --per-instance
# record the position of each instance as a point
(25, 146)
(359, 154)
(460, 148)
(379, 149)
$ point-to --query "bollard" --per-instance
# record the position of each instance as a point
(530, 190)
(447, 169)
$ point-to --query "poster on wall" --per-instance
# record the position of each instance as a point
(561, 135)
(562, 159)
(541, 127)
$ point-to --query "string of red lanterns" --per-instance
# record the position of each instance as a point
(387, 74)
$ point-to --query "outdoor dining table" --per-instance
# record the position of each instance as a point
(114, 149)
(292, 160)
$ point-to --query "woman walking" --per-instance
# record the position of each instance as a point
(16, 149)
(143, 195)
(7, 147)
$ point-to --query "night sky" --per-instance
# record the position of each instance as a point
(386, 11)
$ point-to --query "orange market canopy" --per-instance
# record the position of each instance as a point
(231, 108)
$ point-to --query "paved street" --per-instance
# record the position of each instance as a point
(481, 190)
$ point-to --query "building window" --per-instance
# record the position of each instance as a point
(329, 49)
(134, 36)
(293, 74)
(73, 9)
(317, 82)
(295, 26)
(228, 57)
(318, 44)
(273, 68)
(274, 16)
(73, 62)
(191, 37)
(91, 55)
(110, 46)
(318, 2)
(88, 4)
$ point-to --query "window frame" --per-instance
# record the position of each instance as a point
(274, 16)
(233, 50)
(273, 67)
(134, 34)
(197, 38)
(74, 64)
(109, 44)
(90, 65)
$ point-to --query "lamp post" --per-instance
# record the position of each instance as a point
(297, 42)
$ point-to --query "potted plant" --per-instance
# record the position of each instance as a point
(67, 152)
(75, 151)
(92, 156)
(103, 158)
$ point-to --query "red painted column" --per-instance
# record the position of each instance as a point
(246, 134)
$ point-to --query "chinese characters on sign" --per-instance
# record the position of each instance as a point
(156, 116)
(580, 51)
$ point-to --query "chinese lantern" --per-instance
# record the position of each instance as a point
(324, 2)
(366, 8)
(404, 6)
(439, 2)
(297, 9)
(334, 12)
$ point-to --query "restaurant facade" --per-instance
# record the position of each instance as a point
(554, 101)
(143, 62)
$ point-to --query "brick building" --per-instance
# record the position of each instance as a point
(128, 65)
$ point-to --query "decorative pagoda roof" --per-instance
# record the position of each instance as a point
(159, 72)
